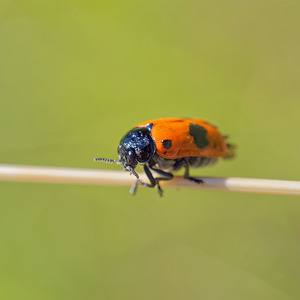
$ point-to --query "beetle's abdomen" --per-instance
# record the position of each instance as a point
(173, 165)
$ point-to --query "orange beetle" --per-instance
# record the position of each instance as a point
(166, 145)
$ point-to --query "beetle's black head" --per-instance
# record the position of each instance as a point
(137, 146)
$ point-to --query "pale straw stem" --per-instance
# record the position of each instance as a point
(21, 173)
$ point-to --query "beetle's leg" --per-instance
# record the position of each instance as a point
(187, 174)
(168, 176)
(151, 178)
(133, 188)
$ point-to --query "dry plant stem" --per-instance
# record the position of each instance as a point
(120, 178)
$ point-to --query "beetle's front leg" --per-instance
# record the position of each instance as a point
(152, 184)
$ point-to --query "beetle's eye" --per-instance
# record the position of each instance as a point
(144, 155)
(130, 158)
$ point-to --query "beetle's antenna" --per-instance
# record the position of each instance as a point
(108, 160)
(111, 161)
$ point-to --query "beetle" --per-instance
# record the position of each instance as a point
(166, 145)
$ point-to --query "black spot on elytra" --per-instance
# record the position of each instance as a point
(199, 134)
(167, 144)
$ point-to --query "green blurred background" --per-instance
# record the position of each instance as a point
(76, 75)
